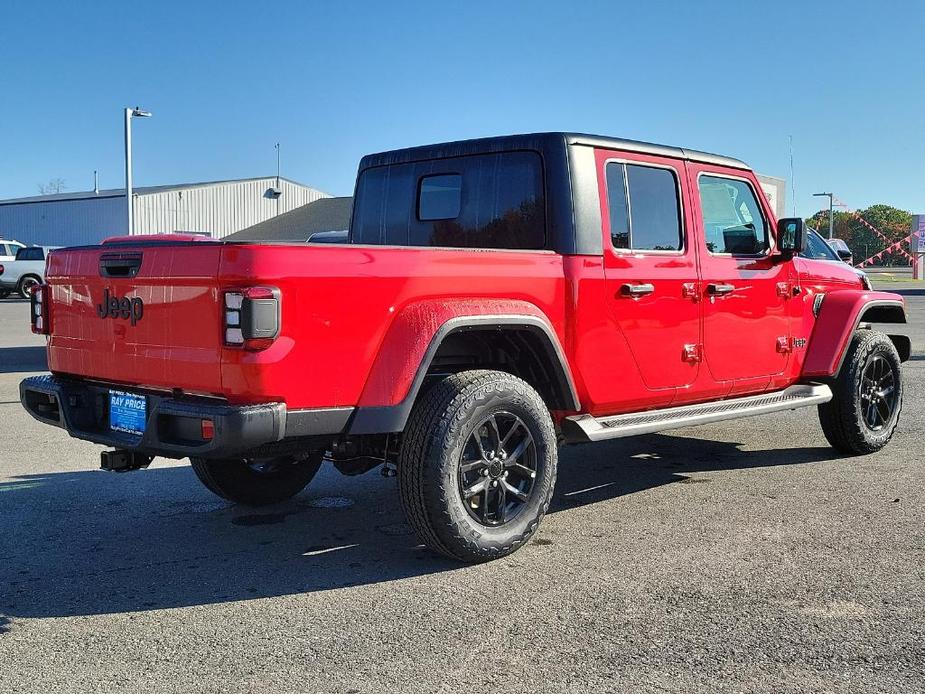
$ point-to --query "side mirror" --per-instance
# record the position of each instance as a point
(791, 235)
(844, 255)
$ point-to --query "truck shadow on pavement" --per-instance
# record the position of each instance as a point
(84, 543)
(22, 359)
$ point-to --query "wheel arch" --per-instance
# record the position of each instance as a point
(840, 313)
(529, 331)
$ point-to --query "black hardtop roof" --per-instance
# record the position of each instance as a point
(541, 142)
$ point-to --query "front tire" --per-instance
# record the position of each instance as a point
(867, 396)
(4, 293)
(477, 466)
(257, 481)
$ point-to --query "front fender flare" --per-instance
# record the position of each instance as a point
(840, 314)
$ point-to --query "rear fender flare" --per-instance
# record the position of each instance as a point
(408, 349)
(840, 314)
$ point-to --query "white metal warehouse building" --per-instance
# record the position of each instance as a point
(218, 208)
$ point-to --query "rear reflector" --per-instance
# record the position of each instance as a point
(208, 430)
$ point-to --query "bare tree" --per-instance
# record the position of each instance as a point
(55, 185)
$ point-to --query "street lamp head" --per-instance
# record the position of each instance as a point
(821, 195)
(138, 113)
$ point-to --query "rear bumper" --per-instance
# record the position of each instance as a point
(174, 426)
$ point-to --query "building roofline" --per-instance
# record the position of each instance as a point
(141, 190)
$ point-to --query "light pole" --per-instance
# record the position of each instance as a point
(830, 196)
(129, 114)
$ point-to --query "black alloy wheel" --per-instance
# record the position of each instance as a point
(498, 469)
(877, 391)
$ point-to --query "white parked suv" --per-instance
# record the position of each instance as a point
(25, 271)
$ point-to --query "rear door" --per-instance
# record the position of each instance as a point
(650, 266)
(164, 328)
(746, 326)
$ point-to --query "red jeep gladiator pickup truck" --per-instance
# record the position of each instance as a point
(493, 299)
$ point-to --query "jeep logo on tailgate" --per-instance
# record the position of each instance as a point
(115, 307)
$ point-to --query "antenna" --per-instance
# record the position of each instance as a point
(793, 187)
(96, 182)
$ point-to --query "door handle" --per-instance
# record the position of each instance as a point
(637, 290)
(720, 289)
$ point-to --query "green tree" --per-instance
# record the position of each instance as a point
(891, 221)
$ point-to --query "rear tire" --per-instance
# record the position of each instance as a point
(477, 466)
(4, 293)
(867, 396)
(24, 289)
(257, 482)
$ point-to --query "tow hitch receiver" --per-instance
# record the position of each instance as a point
(123, 461)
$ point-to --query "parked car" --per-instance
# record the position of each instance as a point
(819, 249)
(496, 297)
(8, 250)
(24, 272)
(841, 249)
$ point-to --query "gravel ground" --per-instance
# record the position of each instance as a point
(737, 557)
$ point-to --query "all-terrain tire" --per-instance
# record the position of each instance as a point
(429, 469)
(257, 483)
(845, 417)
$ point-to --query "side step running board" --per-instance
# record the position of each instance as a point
(586, 427)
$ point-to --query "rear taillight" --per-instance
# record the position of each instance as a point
(252, 317)
(1, 269)
(39, 309)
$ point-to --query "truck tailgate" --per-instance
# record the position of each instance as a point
(171, 336)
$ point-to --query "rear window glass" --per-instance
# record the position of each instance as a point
(481, 201)
(30, 254)
(440, 197)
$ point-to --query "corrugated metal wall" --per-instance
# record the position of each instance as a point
(64, 222)
(776, 191)
(219, 209)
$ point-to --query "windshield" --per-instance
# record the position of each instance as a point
(817, 248)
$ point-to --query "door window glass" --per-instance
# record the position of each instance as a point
(645, 212)
(732, 218)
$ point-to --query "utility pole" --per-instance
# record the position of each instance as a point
(831, 197)
(129, 114)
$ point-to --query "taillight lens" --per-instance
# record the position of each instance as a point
(251, 317)
(39, 309)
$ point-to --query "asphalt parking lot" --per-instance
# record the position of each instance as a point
(740, 557)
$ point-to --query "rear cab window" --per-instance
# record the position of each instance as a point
(30, 254)
(492, 201)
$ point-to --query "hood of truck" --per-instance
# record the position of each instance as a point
(146, 315)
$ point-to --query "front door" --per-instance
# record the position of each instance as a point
(746, 285)
(650, 267)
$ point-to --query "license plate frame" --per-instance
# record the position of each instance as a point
(128, 412)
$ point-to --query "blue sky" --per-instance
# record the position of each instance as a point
(332, 81)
